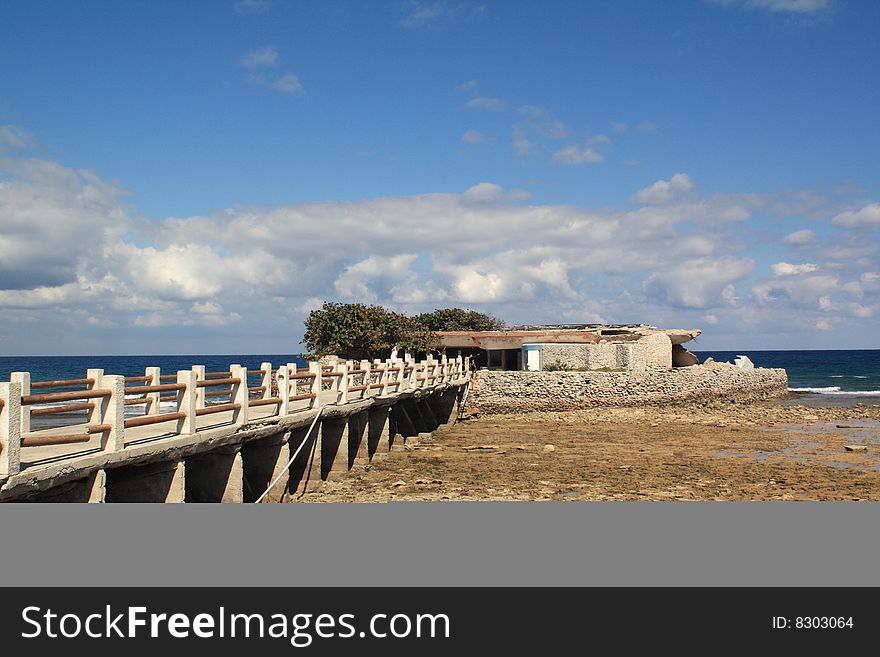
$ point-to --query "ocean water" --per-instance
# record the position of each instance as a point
(830, 377)
(839, 377)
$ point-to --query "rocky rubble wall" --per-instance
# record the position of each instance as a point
(516, 392)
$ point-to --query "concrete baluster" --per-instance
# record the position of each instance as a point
(199, 371)
(317, 382)
(186, 401)
(342, 394)
(10, 428)
(239, 394)
(282, 381)
(24, 378)
(266, 380)
(154, 406)
(112, 412)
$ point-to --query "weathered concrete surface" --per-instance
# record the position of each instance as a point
(215, 477)
(505, 392)
(161, 481)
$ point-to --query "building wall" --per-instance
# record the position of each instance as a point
(512, 392)
(651, 352)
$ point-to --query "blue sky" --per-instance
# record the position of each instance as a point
(191, 177)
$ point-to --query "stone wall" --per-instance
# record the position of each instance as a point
(512, 392)
(658, 351)
(650, 352)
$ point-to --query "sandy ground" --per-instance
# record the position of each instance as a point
(767, 451)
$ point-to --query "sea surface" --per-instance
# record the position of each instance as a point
(823, 378)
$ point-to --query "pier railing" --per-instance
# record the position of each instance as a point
(194, 393)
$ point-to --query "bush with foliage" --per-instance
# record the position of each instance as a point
(457, 319)
(359, 331)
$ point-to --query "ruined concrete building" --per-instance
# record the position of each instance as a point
(604, 347)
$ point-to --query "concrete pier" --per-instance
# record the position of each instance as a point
(226, 451)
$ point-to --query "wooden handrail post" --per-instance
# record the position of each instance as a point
(186, 401)
(113, 412)
(10, 428)
(24, 378)
(239, 394)
(199, 371)
(282, 382)
(155, 374)
(315, 368)
(266, 380)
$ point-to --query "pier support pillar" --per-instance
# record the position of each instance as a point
(217, 476)
(358, 440)
(305, 470)
(263, 461)
(444, 405)
(156, 482)
(379, 432)
(334, 447)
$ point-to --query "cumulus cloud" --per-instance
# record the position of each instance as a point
(473, 137)
(866, 217)
(699, 282)
(259, 63)
(800, 237)
(575, 154)
(421, 13)
(782, 6)
(486, 103)
(13, 138)
(788, 269)
(260, 58)
(664, 191)
(288, 83)
(483, 192)
(678, 262)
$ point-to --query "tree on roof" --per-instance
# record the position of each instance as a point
(458, 319)
(358, 331)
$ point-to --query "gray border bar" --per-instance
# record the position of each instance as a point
(442, 544)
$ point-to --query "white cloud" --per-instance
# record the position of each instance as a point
(13, 138)
(288, 83)
(788, 269)
(800, 237)
(678, 263)
(646, 127)
(252, 6)
(421, 13)
(473, 137)
(483, 192)
(663, 192)
(260, 58)
(782, 6)
(469, 85)
(574, 155)
(866, 217)
(699, 282)
(486, 103)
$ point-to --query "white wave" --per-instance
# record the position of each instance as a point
(835, 390)
(836, 376)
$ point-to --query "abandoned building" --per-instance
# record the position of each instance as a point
(612, 347)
